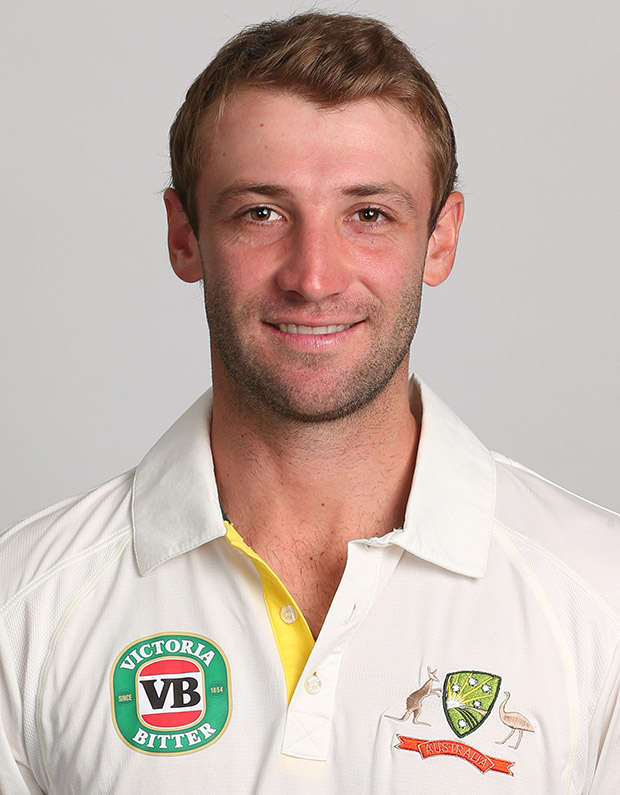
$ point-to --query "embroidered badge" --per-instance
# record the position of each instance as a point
(170, 694)
(468, 698)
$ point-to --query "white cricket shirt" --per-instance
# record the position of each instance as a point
(145, 649)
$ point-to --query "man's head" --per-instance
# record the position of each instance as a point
(328, 59)
(316, 198)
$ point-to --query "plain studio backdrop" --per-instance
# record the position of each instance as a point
(102, 347)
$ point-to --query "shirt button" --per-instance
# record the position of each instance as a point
(312, 685)
(288, 614)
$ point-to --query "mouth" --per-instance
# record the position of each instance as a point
(294, 328)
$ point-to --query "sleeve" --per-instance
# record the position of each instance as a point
(16, 777)
(604, 743)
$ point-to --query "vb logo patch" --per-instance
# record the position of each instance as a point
(170, 694)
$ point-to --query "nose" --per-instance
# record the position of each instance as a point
(315, 266)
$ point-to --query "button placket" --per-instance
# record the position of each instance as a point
(310, 712)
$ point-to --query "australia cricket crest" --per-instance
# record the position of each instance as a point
(468, 698)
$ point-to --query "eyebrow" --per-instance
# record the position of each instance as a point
(382, 189)
(237, 189)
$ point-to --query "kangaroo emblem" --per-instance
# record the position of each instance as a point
(415, 699)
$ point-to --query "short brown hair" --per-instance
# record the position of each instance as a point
(329, 59)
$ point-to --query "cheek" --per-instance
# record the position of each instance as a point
(235, 272)
(390, 269)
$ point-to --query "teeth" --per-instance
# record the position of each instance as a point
(293, 328)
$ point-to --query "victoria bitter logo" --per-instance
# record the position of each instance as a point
(170, 694)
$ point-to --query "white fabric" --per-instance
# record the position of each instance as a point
(495, 570)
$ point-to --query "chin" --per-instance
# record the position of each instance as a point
(329, 403)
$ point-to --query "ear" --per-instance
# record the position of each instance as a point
(442, 243)
(182, 243)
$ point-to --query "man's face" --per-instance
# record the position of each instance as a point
(312, 237)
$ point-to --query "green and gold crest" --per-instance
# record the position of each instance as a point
(468, 698)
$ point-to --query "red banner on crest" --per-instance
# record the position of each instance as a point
(428, 748)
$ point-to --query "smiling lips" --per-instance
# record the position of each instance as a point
(293, 328)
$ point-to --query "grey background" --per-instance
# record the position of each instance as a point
(102, 347)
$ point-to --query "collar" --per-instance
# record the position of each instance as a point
(175, 504)
(451, 506)
(449, 515)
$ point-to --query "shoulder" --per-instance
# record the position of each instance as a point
(70, 531)
(580, 539)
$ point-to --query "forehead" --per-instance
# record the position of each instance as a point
(274, 134)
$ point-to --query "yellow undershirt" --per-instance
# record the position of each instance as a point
(290, 629)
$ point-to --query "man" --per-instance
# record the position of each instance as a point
(318, 580)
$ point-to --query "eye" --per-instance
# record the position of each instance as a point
(369, 215)
(262, 214)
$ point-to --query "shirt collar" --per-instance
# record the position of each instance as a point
(449, 513)
(175, 504)
(451, 506)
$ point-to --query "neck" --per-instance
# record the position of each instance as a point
(332, 481)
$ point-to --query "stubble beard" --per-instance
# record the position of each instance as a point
(348, 391)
